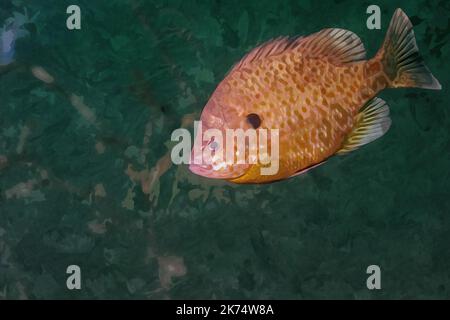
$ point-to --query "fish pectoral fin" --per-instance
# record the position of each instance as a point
(339, 46)
(371, 123)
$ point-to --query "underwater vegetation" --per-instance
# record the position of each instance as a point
(86, 178)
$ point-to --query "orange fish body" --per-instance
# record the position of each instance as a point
(318, 91)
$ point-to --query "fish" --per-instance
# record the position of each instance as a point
(319, 91)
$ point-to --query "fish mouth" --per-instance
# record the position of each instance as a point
(208, 171)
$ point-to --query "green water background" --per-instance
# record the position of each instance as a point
(140, 66)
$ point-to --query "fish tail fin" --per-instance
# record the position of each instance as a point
(400, 56)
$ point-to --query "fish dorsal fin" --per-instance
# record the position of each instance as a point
(339, 46)
(267, 49)
(371, 123)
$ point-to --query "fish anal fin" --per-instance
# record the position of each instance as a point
(372, 122)
(302, 171)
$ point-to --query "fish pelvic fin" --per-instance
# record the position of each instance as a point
(400, 58)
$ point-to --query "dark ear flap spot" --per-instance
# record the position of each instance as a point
(254, 120)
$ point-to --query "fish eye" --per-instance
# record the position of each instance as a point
(254, 120)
